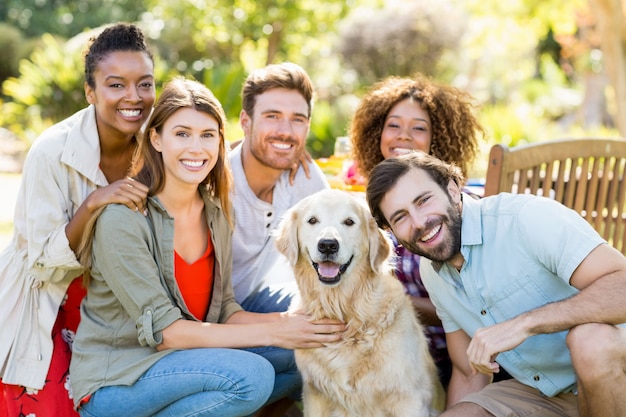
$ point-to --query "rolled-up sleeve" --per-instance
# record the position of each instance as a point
(146, 325)
(124, 254)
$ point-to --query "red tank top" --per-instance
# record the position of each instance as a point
(196, 281)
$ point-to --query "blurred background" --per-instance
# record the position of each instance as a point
(538, 69)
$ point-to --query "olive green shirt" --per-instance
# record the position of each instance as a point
(133, 295)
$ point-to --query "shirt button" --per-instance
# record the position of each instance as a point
(269, 214)
(536, 377)
(483, 312)
(267, 225)
(39, 264)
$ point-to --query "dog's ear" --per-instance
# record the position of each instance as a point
(286, 236)
(380, 245)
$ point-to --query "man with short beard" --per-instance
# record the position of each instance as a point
(521, 283)
(277, 101)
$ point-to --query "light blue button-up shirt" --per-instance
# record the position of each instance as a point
(520, 252)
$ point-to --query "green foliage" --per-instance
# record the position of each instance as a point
(329, 121)
(323, 131)
(67, 18)
(225, 82)
(504, 55)
(50, 85)
(423, 33)
(48, 89)
(254, 32)
(505, 126)
(514, 126)
(10, 45)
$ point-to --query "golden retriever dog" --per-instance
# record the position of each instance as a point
(382, 366)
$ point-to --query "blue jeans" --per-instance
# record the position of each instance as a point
(271, 299)
(288, 381)
(192, 382)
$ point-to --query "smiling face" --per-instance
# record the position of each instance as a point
(276, 132)
(189, 144)
(425, 218)
(407, 128)
(327, 234)
(124, 93)
(332, 233)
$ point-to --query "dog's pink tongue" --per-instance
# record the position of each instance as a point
(328, 269)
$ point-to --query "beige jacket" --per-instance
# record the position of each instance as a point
(60, 171)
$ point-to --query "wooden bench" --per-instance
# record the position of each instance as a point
(583, 174)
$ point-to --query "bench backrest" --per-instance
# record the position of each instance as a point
(583, 174)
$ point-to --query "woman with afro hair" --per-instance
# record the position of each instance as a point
(440, 122)
(400, 115)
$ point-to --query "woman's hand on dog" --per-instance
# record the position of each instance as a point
(299, 331)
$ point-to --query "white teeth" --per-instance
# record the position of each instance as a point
(431, 234)
(281, 145)
(193, 164)
(130, 113)
(402, 151)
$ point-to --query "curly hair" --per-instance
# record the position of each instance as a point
(455, 129)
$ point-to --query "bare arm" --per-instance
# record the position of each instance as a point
(601, 279)
(126, 191)
(245, 329)
(463, 380)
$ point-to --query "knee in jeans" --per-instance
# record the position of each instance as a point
(263, 379)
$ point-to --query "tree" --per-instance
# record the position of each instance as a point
(254, 32)
(401, 38)
(10, 43)
(611, 15)
(66, 18)
(49, 88)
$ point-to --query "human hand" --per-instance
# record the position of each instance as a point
(126, 191)
(234, 144)
(298, 331)
(488, 342)
(304, 160)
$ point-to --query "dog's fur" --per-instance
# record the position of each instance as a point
(382, 366)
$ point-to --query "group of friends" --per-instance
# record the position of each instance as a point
(137, 221)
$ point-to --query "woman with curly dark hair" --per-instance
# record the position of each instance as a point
(399, 115)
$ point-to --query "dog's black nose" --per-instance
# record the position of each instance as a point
(328, 246)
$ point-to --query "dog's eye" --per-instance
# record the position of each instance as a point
(312, 220)
(348, 222)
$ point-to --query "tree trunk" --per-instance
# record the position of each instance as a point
(273, 42)
(611, 15)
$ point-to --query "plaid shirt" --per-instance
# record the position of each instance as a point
(408, 272)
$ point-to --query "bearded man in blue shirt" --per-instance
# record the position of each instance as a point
(521, 283)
